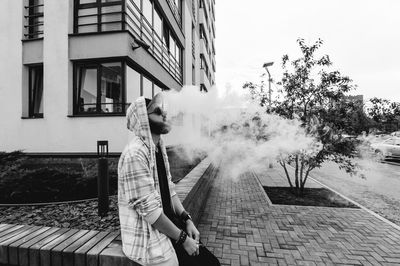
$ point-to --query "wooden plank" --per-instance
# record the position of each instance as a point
(13, 247)
(56, 253)
(80, 253)
(34, 258)
(4, 245)
(23, 250)
(92, 256)
(45, 251)
(5, 234)
(4, 226)
(113, 255)
(68, 253)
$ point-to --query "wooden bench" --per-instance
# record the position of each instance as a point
(38, 245)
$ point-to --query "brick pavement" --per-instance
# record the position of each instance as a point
(241, 227)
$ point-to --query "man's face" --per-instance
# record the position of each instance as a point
(158, 117)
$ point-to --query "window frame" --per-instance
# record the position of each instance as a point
(97, 64)
(33, 90)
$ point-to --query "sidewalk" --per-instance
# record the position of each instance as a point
(241, 227)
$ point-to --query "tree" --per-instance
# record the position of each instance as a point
(313, 93)
(385, 113)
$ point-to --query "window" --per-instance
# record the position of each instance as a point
(34, 13)
(98, 88)
(193, 75)
(139, 85)
(133, 85)
(147, 88)
(98, 16)
(36, 91)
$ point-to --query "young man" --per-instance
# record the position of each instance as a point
(146, 197)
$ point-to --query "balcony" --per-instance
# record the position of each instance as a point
(125, 15)
(204, 79)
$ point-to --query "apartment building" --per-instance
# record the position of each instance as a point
(70, 68)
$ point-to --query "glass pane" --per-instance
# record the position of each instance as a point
(87, 81)
(36, 93)
(172, 46)
(87, 11)
(111, 89)
(157, 24)
(87, 20)
(111, 26)
(147, 88)
(108, 9)
(91, 28)
(87, 1)
(148, 11)
(132, 85)
(156, 89)
(110, 18)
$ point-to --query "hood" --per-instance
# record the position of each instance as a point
(138, 121)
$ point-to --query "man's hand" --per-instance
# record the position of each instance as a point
(191, 246)
(192, 232)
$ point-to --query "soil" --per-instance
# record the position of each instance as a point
(25, 179)
(320, 197)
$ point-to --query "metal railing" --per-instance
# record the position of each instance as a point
(138, 25)
(176, 12)
(33, 25)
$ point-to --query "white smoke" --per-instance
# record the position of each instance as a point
(233, 130)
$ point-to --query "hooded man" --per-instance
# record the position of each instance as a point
(146, 196)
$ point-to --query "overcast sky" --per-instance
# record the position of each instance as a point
(362, 38)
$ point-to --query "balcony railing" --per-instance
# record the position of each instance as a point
(138, 25)
(126, 15)
(176, 11)
(34, 11)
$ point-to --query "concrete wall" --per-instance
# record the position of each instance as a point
(57, 131)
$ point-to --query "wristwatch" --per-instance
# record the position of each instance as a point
(186, 216)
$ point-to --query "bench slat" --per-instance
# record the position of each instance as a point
(34, 257)
(68, 254)
(13, 247)
(92, 256)
(4, 226)
(8, 232)
(4, 258)
(113, 255)
(80, 253)
(56, 253)
(46, 250)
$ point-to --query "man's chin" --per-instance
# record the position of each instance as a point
(165, 130)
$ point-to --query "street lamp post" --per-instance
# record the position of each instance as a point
(266, 65)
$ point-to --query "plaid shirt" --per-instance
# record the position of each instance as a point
(139, 198)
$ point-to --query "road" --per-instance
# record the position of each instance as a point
(379, 190)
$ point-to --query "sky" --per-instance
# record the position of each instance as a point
(362, 38)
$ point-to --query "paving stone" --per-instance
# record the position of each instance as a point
(242, 226)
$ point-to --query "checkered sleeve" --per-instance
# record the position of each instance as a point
(140, 189)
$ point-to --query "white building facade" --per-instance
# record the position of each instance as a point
(70, 68)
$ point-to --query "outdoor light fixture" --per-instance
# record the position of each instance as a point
(102, 148)
(102, 178)
(266, 65)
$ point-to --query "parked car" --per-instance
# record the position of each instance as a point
(395, 134)
(390, 148)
